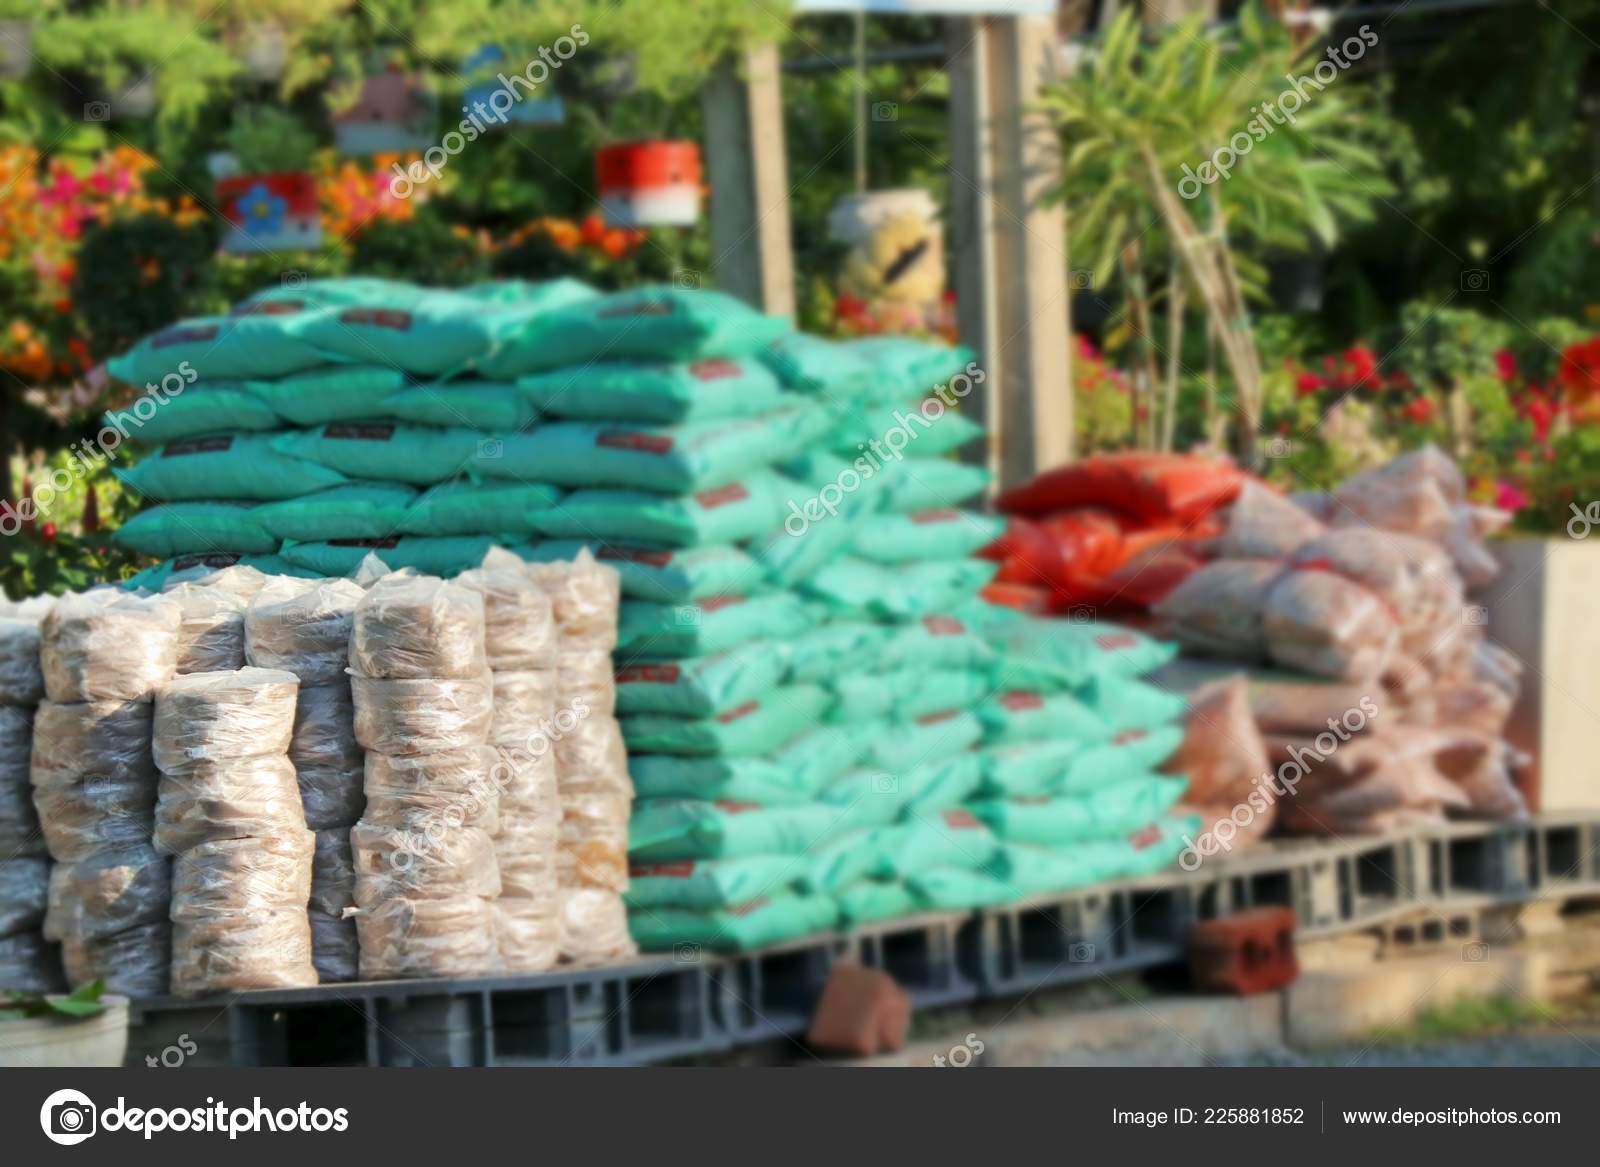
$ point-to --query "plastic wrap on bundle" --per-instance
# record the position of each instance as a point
(405, 864)
(1494, 664)
(519, 622)
(593, 844)
(427, 938)
(594, 927)
(24, 892)
(98, 737)
(211, 635)
(530, 874)
(20, 835)
(1364, 784)
(587, 682)
(1218, 609)
(1485, 768)
(108, 646)
(524, 709)
(528, 934)
(30, 964)
(409, 807)
(223, 716)
(1222, 753)
(230, 954)
(1263, 524)
(530, 795)
(16, 739)
(238, 799)
(107, 894)
(418, 627)
(21, 680)
(237, 580)
(331, 798)
(333, 873)
(422, 717)
(592, 756)
(84, 815)
(135, 963)
(241, 877)
(1413, 576)
(335, 949)
(1328, 626)
(585, 597)
(1293, 707)
(324, 728)
(303, 627)
(1416, 493)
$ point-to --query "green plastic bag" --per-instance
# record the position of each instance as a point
(940, 784)
(713, 389)
(217, 348)
(1035, 871)
(861, 697)
(1020, 716)
(864, 798)
(798, 550)
(1155, 846)
(940, 534)
(388, 452)
(928, 484)
(677, 459)
(441, 555)
(948, 889)
(670, 829)
(933, 642)
(180, 528)
(479, 508)
(360, 510)
(826, 368)
(872, 900)
(673, 631)
(792, 774)
(753, 727)
(1030, 769)
(907, 368)
(536, 295)
(933, 736)
(1104, 813)
(736, 929)
(818, 654)
(663, 574)
(1057, 654)
(474, 405)
(644, 324)
(908, 693)
(728, 514)
(953, 838)
(427, 332)
(856, 854)
(337, 393)
(700, 686)
(909, 591)
(280, 298)
(918, 431)
(1124, 704)
(1126, 755)
(710, 883)
(229, 466)
(204, 408)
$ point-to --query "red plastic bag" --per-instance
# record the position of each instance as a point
(1034, 601)
(1147, 579)
(1088, 540)
(1027, 555)
(1150, 487)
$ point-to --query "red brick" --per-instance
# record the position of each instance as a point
(1245, 953)
(856, 1012)
(895, 1021)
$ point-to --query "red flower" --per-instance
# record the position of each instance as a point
(1505, 364)
(1360, 368)
(48, 531)
(1580, 368)
(1539, 409)
(592, 230)
(1308, 383)
(1419, 410)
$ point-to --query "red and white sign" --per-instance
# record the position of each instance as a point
(644, 184)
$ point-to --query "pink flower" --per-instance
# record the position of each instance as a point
(1508, 497)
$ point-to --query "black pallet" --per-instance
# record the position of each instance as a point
(928, 955)
(770, 993)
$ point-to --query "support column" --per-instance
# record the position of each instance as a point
(751, 248)
(1012, 292)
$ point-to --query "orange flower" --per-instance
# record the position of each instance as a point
(615, 243)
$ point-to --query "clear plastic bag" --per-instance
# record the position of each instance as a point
(1263, 524)
(24, 892)
(97, 737)
(1222, 753)
(333, 873)
(588, 678)
(231, 954)
(528, 933)
(21, 681)
(331, 798)
(1485, 769)
(211, 635)
(1218, 610)
(1416, 493)
(519, 619)
(593, 844)
(585, 597)
(30, 964)
(324, 728)
(335, 949)
(591, 756)
(241, 798)
(241, 877)
(108, 893)
(400, 864)
(530, 793)
(428, 938)
(418, 627)
(303, 627)
(81, 815)
(108, 646)
(221, 716)
(135, 963)
(524, 709)
(594, 927)
(1328, 626)
(238, 580)
(422, 716)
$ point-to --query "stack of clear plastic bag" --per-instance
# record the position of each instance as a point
(433, 792)
(215, 717)
(446, 937)
(242, 876)
(1328, 626)
(327, 757)
(108, 646)
(231, 954)
(1263, 524)
(334, 948)
(303, 627)
(588, 677)
(594, 927)
(591, 756)
(418, 627)
(1218, 610)
(593, 849)
(239, 799)
(401, 863)
(585, 597)
(237, 580)
(21, 681)
(524, 708)
(211, 634)
(423, 716)
(519, 620)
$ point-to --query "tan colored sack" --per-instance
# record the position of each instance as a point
(1222, 753)
(82, 816)
(1329, 627)
(528, 934)
(594, 927)
(452, 937)
(243, 877)
(524, 709)
(585, 597)
(587, 681)
(211, 634)
(593, 844)
(592, 757)
(398, 864)
(135, 963)
(518, 617)
(108, 893)
(1218, 610)
(99, 737)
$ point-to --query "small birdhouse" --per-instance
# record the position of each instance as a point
(393, 115)
(644, 184)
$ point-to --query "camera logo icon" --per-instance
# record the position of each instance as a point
(685, 278)
(490, 449)
(1080, 278)
(1474, 279)
(1279, 447)
(1475, 614)
(292, 281)
(885, 111)
(68, 1117)
(97, 111)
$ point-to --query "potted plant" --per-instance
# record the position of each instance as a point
(83, 1028)
(266, 190)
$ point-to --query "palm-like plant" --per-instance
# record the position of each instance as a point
(1144, 106)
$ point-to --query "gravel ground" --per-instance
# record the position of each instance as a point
(1553, 1047)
